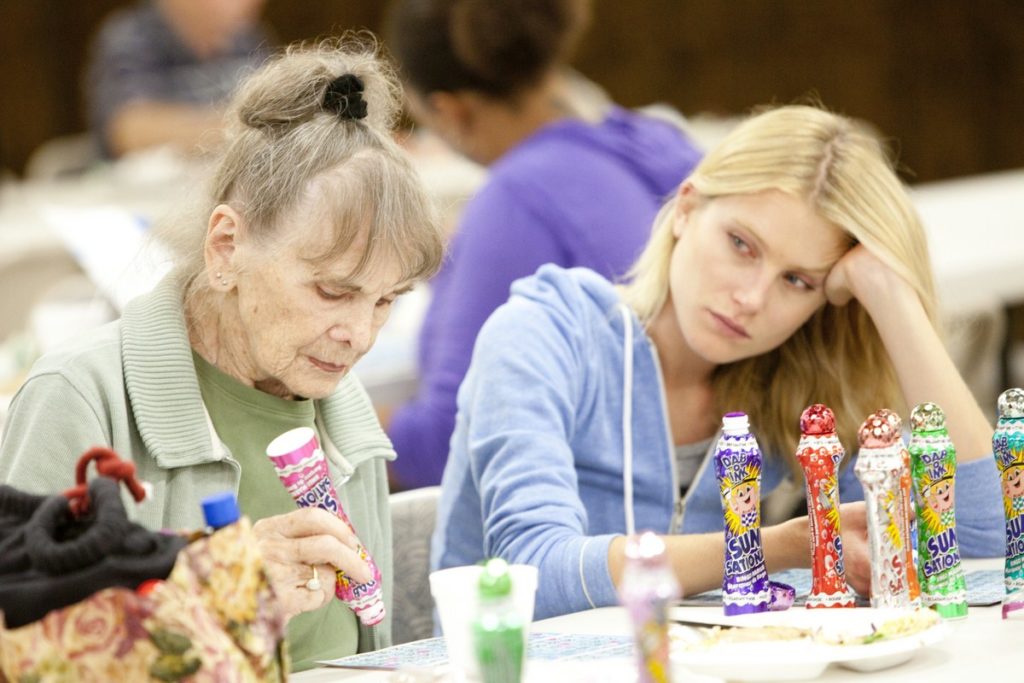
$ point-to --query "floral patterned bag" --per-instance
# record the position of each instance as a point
(214, 618)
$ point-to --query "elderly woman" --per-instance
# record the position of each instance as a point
(316, 224)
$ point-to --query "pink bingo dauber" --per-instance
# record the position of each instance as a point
(302, 468)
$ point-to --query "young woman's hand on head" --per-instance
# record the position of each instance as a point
(293, 543)
(861, 275)
(923, 367)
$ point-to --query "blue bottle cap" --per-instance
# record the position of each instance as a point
(220, 509)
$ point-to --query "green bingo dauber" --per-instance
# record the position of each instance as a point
(1008, 446)
(933, 467)
(499, 632)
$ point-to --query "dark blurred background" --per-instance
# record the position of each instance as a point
(944, 79)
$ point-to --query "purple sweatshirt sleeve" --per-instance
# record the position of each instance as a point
(498, 241)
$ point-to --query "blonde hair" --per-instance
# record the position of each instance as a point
(837, 356)
(282, 141)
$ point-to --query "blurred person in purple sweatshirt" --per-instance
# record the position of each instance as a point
(566, 185)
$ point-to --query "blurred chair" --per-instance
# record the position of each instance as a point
(976, 342)
(412, 517)
(26, 276)
(1013, 347)
(64, 156)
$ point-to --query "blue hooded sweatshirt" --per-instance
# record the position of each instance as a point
(572, 194)
(535, 474)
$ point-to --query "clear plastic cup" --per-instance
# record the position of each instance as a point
(455, 596)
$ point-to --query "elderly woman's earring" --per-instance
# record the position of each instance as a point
(223, 280)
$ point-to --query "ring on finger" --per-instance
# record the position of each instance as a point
(314, 583)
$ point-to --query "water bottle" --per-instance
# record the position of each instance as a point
(220, 510)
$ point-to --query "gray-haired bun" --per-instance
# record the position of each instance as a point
(291, 88)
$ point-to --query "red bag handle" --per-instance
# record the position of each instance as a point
(108, 464)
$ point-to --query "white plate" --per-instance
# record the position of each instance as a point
(593, 671)
(792, 660)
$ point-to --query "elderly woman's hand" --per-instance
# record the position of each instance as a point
(294, 543)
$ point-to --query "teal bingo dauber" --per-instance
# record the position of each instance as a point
(1008, 446)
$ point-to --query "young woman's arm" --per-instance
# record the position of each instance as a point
(698, 559)
(923, 367)
(927, 373)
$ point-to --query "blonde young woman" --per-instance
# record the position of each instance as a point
(790, 268)
(315, 223)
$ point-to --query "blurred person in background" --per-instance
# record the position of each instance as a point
(564, 186)
(159, 72)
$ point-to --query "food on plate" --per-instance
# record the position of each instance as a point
(889, 629)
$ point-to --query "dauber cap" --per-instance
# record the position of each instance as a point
(879, 430)
(817, 420)
(927, 417)
(1011, 403)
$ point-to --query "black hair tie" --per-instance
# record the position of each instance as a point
(344, 97)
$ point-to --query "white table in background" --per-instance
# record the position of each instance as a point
(102, 219)
(975, 229)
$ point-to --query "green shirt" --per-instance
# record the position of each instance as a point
(246, 420)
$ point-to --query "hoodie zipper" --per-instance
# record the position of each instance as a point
(678, 501)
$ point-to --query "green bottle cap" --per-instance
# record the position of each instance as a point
(927, 417)
(495, 580)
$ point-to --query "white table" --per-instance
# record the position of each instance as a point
(975, 229)
(980, 648)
